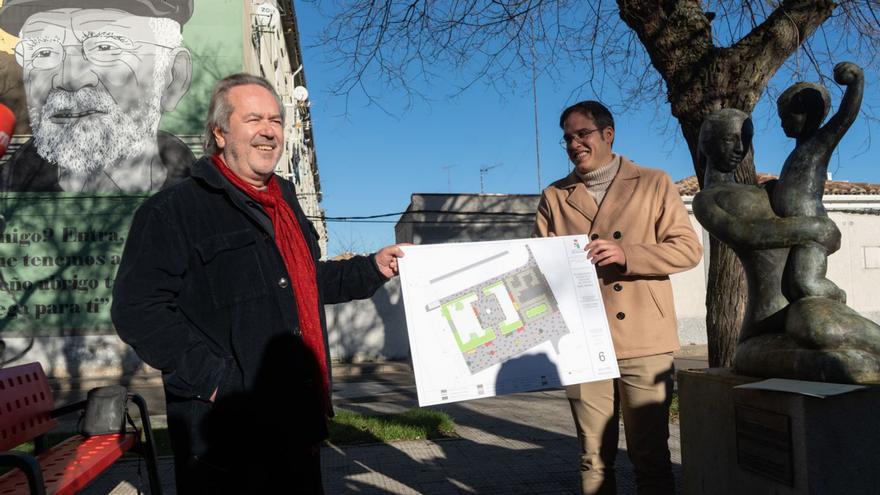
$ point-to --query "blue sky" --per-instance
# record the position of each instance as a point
(370, 162)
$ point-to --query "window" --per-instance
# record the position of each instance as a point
(872, 256)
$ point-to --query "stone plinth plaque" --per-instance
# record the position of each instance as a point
(736, 441)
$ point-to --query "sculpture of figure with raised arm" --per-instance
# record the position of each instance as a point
(814, 338)
(798, 193)
(741, 216)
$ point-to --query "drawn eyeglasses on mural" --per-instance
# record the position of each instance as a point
(49, 53)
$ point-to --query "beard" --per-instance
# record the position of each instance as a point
(98, 141)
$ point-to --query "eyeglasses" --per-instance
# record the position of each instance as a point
(48, 53)
(580, 136)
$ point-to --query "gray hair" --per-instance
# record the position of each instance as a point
(219, 109)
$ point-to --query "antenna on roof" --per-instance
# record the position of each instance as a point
(535, 101)
(448, 170)
(484, 170)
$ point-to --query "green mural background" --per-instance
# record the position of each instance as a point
(59, 252)
(58, 259)
(214, 38)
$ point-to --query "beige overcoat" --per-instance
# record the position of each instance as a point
(642, 210)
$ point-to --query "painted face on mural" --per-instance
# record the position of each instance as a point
(94, 80)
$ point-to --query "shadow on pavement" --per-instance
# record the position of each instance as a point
(519, 443)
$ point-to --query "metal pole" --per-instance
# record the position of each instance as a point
(535, 102)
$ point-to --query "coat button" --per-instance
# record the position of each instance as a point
(617, 234)
(283, 283)
(594, 237)
(618, 287)
(621, 315)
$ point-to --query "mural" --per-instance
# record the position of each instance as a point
(97, 80)
(109, 99)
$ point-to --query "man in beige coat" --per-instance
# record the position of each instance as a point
(639, 234)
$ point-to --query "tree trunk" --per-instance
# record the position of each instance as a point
(725, 303)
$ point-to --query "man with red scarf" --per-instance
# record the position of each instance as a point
(220, 288)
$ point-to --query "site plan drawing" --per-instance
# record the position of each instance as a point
(503, 316)
(496, 317)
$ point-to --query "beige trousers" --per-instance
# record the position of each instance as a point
(643, 393)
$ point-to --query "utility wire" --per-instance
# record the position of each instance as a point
(434, 222)
(413, 212)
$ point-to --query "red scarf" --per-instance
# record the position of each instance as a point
(298, 261)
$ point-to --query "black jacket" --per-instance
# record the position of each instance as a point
(202, 294)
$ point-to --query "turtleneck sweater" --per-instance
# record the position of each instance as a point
(599, 180)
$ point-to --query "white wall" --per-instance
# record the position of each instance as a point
(689, 292)
(369, 330)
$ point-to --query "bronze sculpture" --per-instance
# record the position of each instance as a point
(796, 324)
(802, 107)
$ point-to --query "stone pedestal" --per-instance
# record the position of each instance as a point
(756, 442)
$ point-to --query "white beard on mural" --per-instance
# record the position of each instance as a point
(101, 137)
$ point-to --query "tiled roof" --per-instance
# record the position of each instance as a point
(689, 186)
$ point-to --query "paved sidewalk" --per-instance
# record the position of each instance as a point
(514, 444)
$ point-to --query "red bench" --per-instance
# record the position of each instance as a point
(26, 413)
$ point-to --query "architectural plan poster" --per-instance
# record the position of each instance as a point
(499, 317)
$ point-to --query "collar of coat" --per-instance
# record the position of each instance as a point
(618, 194)
(204, 170)
(206, 173)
